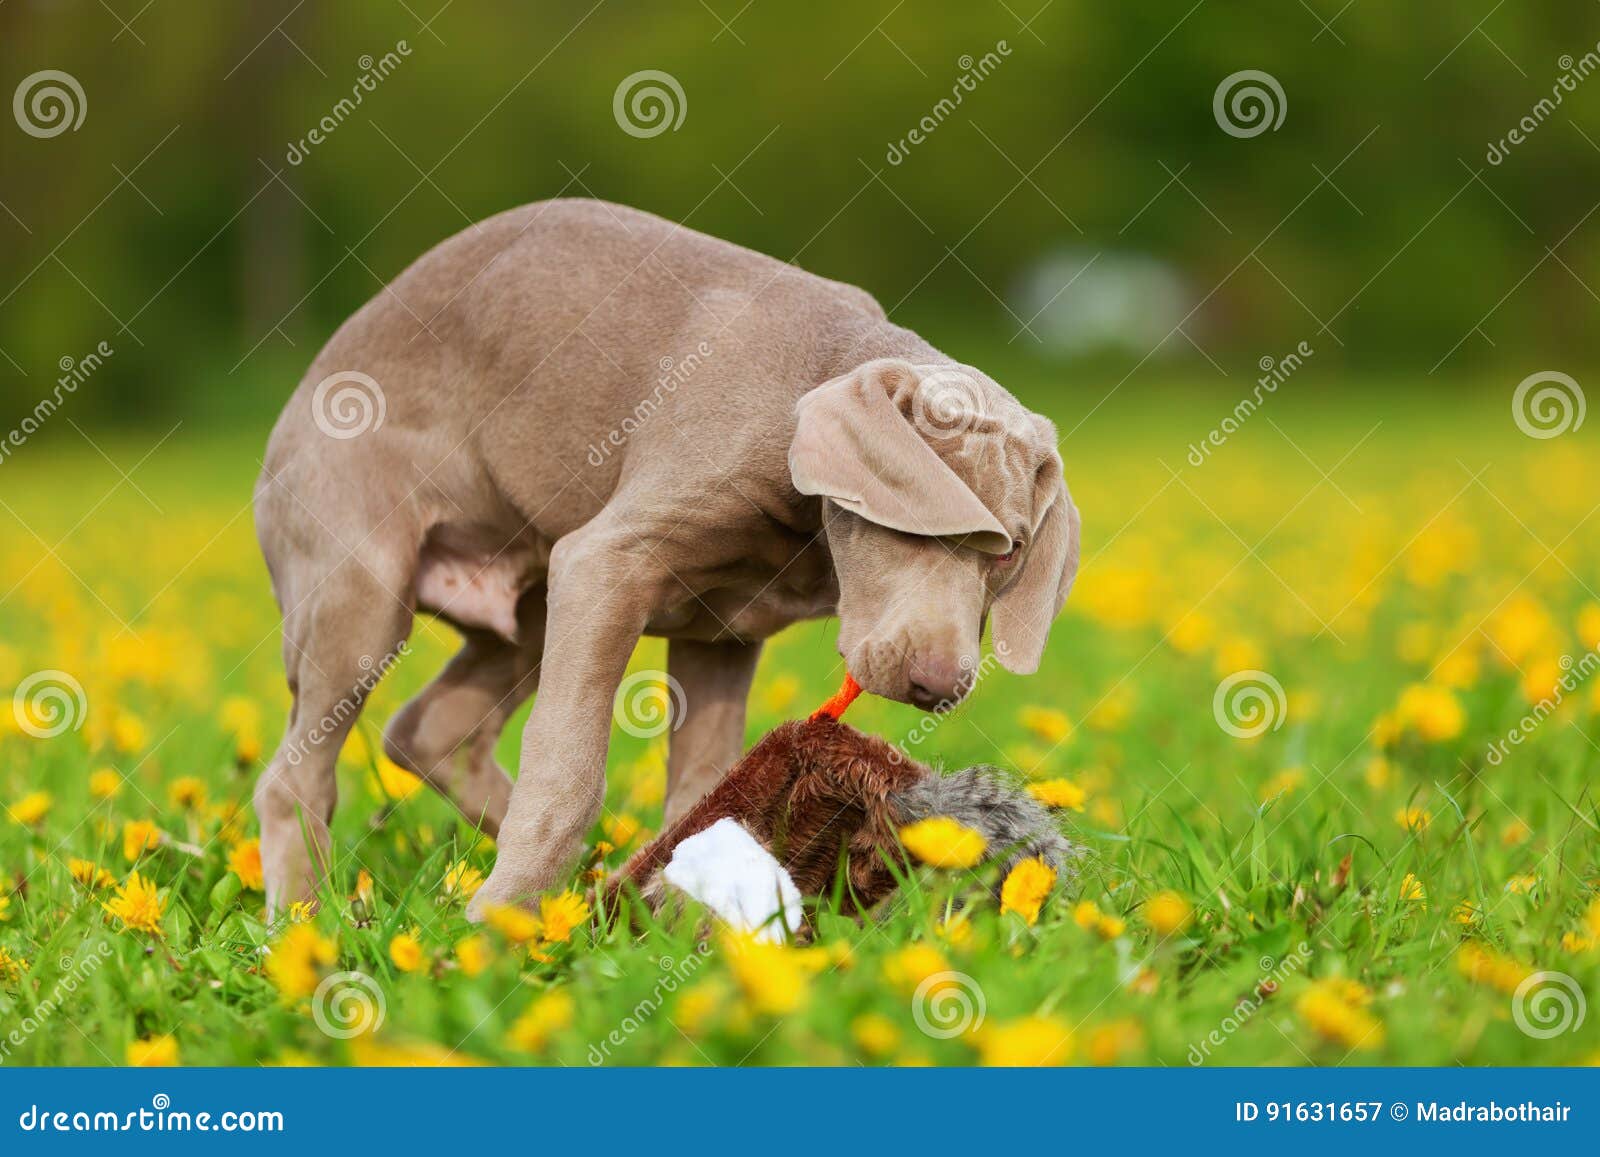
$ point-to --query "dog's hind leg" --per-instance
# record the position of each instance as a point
(345, 630)
(716, 679)
(447, 734)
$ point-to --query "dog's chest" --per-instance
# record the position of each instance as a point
(751, 602)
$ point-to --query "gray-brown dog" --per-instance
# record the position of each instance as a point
(576, 424)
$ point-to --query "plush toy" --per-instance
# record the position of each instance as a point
(816, 797)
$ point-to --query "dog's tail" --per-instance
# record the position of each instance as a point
(1015, 825)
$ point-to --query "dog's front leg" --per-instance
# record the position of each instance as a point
(603, 586)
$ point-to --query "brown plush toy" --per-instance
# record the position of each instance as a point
(815, 797)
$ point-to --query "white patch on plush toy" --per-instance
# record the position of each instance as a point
(728, 871)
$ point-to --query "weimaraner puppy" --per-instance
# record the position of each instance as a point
(576, 424)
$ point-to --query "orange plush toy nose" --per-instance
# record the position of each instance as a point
(834, 708)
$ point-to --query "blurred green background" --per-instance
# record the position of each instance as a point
(186, 224)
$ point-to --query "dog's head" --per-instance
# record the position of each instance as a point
(943, 501)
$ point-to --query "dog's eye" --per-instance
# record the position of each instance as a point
(1009, 556)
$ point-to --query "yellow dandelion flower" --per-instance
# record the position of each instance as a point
(908, 967)
(1109, 927)
(1026, 887)
(517, 925)
(621, 830)
(462, 881)
(1515, 832)
(875, 1034)
(11, 967)
(550, 1013)
(1086, 914)
(473, 954)
(297, 959)
(1045, 724)
(187, 792)
(1167, 913)
(1290, 779)
(561, 914)
(406, 952)
(1110, 1043)
(1411, 889)
(1522, 885)
(774, 978)
(1414, 819)
(1489, 968)
(128, 732)
(139, 837)
(392, 782)
(105, 783)
(943, 842)
(1328, 1007)
(1431, 711)
(138, 904)
(1031, 1042)
(31, 810)
(955, 930)
(1059, 793)
(153, 1052)
(1576, 942)
(695, 1008)
(1465, 912)
(90, 874)
(780, 693)
(244, 861)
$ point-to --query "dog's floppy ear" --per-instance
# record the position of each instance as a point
(854, 444)
(1024, 611)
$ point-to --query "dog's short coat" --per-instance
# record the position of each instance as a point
(589, 425)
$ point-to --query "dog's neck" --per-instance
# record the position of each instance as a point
(871, 338)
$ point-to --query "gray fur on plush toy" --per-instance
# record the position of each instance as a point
(1013, 823)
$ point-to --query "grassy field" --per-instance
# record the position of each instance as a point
(1370, 872)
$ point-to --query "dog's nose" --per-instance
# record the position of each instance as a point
(938, 680)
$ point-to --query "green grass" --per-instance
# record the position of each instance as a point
(1438, 528)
